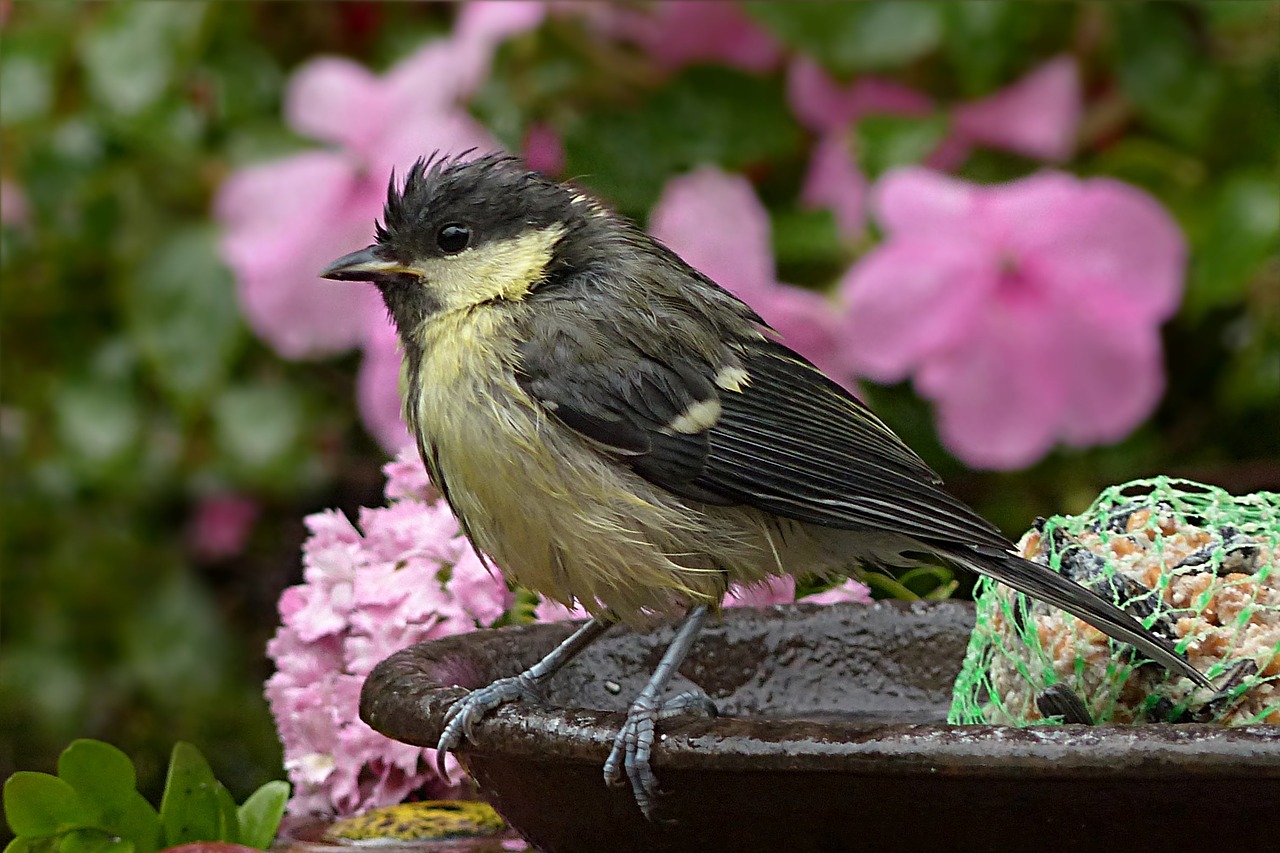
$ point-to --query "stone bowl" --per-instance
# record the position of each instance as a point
(831, 738)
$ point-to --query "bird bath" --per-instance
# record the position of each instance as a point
(831, 738)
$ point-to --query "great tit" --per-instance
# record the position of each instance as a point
(616, 430)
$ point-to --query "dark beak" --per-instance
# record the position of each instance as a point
(364, 265)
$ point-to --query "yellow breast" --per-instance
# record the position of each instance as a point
(555, 514)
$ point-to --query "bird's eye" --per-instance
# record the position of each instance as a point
(453, 238)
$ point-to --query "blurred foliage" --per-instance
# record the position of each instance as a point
(132, 389)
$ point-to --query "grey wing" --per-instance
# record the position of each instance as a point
(759, 427)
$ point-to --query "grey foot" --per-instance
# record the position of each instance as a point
(464, 713)
(634, 743)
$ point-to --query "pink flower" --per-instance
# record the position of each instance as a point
(13, 204)
(782, 590)
(715, 222)
(677, 33)
(406, 575)
(1036, 116)
(850, 590)
(543, 150)
(221, 525)
(823, 105)
(1029, 312)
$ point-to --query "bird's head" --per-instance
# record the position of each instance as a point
(457, 234)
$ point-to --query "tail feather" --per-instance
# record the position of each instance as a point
(1046, 585)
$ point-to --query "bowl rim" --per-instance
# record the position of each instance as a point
(405, 699)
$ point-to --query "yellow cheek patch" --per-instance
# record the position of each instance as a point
(506, 269)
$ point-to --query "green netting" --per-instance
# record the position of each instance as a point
(1192, 562)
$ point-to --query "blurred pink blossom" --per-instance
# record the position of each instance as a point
(1037, 116)
(677, 33)
(782, 590)
(284, 220)
(405, 575)
(717, 224)
(13, 204)
(1029, 312)
(221, 526)
(543, 150)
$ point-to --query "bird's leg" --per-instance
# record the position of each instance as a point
(463, 714)
(634, 742)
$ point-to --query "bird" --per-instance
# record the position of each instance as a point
(616, 430)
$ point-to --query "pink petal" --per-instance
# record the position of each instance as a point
(1111, 373)
(1101, 242)
(407, 477)
(817, 100)
(494, 21)
(915, 200)
(435, 78)
(822, 104)
(850, 590)
(543, 150)
(482, 595)
(419, 133)
(221, 525)
(777, 589)
(998, 392)
(378, 386)
(284, 221)
(715, 222)
(1038, 116)
(683, 32)
(834, 181)
(548, 610)
(13, 203)
(337, 100)
(908, 299)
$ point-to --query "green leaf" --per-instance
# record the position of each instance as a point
(87, 841)
(99, 772)
(228, 820)
(189, 808)
(1244, 232)
(97, 422)
(138, 823)
(724, 117)
(848, 37)
(883, 586)
(27, 844)
(1170, 79)
(37, 804)
(926, 580)
(260, 815)
(26, 87)
(131, 53)
(183, 315)
(992, 42)
(885, 142)
(807, 246)
(256, 426)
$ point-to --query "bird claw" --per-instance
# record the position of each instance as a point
(465, 712)
(634, 743)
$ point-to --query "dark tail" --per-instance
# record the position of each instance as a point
(1044, 584)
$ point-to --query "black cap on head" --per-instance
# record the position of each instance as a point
(447, 205)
